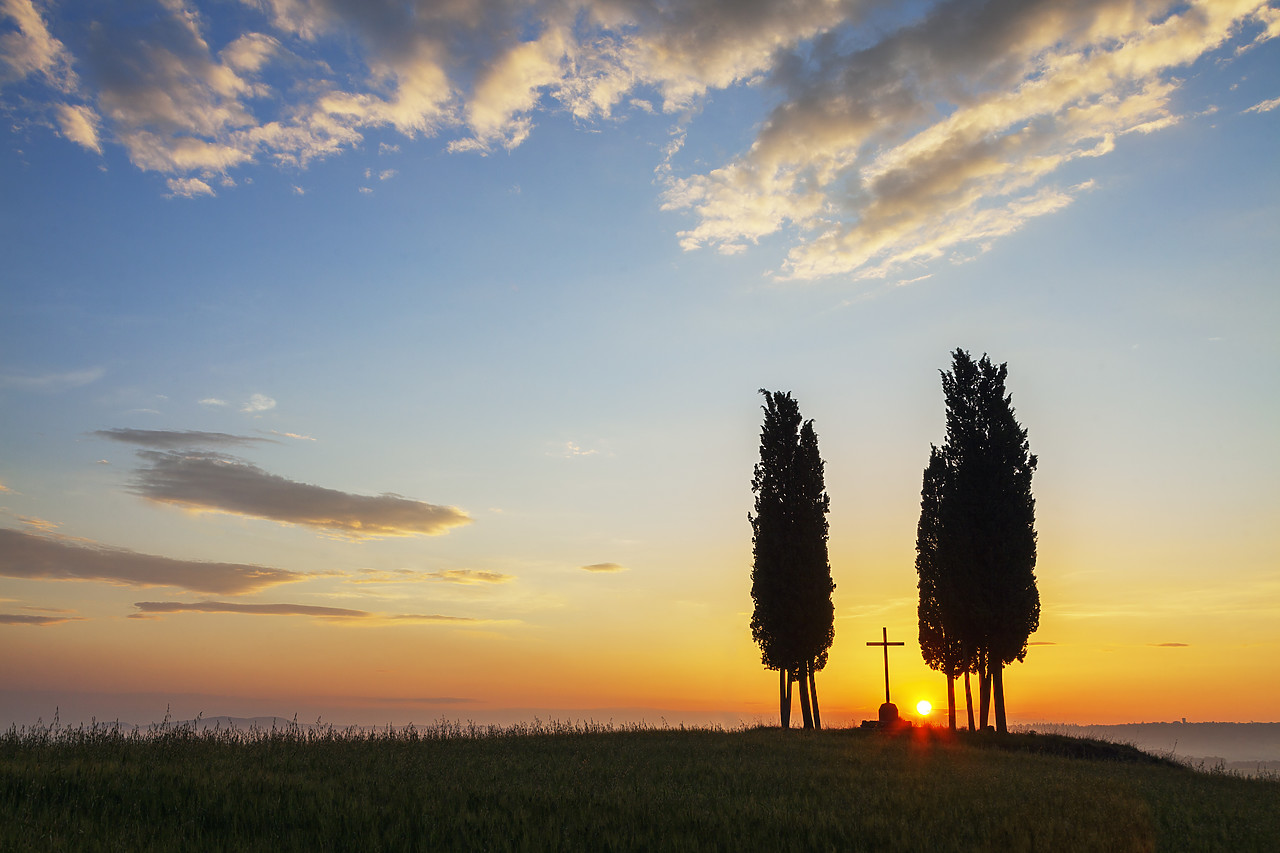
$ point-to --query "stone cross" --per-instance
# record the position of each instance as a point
(884, 634)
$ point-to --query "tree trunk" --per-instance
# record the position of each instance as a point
(997, 686)
(805, 710)
(951, 702)
(968, 699)
(813, 698)
(784, 698)
(984, 693)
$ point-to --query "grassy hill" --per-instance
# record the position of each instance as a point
(583, 787)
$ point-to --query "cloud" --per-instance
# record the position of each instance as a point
(29, 49)
(43, 525)
(213, 482)
(6, 489)
(467, 577)
(900, 134)
(154, 608)
(80, 124)
(1170, 645)
(51, 382)
(1264, 106)
(572, 451)
(604, 568)
(188, 187)
(256, 609)
(258, 403)
(160, 439)
(23, 619)
(938, 138)
(293, 435)
(37, 557)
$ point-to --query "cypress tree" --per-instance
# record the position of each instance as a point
(940, 643)
(986, 539)
(793, 621)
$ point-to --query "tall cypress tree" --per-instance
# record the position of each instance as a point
(793, 620)
(816, 616)
(986, 538)
(940, 623)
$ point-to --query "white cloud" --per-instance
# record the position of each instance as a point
(1264, 106)
(293, 435)
(258, 403)
(188, 188)
(80, 124)
(30, 49)
(873, 169)
(891, 143)
(213, 402)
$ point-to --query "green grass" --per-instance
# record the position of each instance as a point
(588, 787)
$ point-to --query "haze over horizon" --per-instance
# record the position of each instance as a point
(371, 359)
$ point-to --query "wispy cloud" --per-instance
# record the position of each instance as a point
(214, 482)
(1170, 645)
(213, 402)
(465, 577)
(51, 382)
(162, 439)
(41, 557)
(155, 608)
(24, 619)
(604, 568)
(41, 524)
(571, 451)
(294, 435)
(1264, 106)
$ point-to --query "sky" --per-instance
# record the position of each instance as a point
(391, 361)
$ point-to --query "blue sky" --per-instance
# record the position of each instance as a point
(524, 266)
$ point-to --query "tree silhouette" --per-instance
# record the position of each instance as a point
(940, 620)
(794, 620)
(976, 546)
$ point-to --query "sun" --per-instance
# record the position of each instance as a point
(923, 707)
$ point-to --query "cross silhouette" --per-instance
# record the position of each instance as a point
(884, 634)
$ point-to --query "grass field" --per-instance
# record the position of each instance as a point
(589, 787)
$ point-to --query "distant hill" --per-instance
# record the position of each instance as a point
(1213, 743)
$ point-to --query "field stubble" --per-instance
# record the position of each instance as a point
(587, 786)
